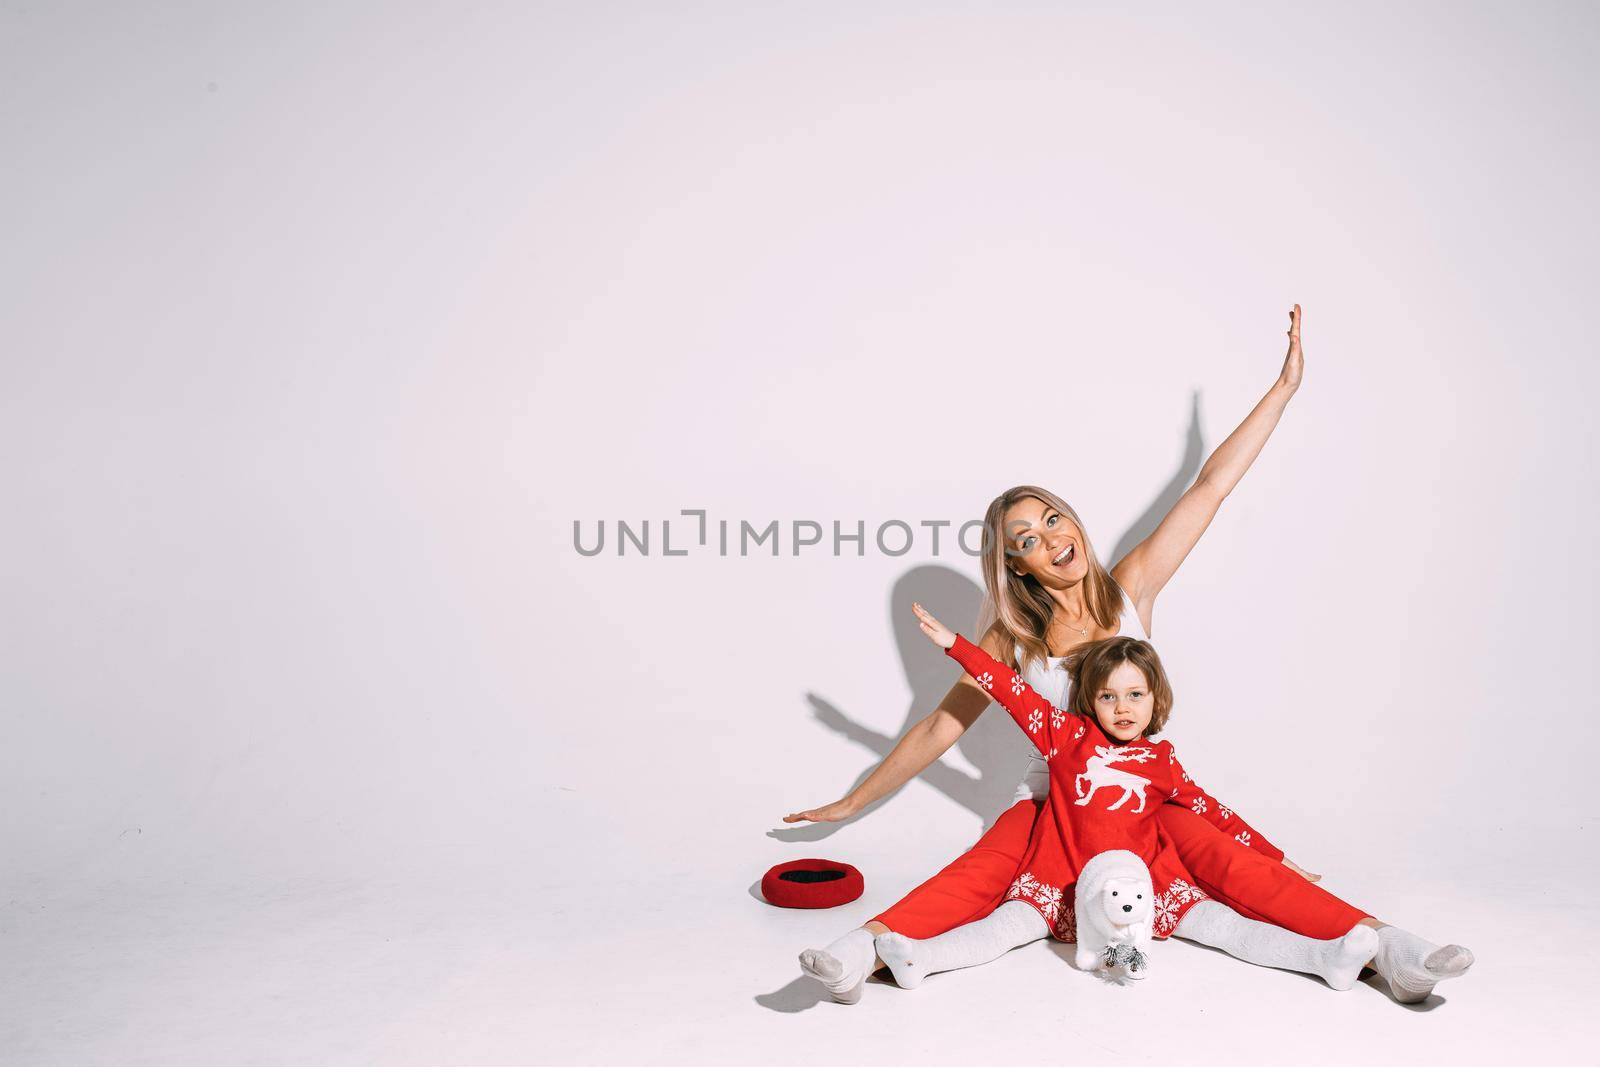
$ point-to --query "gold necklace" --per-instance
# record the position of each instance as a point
(1081, 630)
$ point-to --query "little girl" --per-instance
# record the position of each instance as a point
(1106, 779)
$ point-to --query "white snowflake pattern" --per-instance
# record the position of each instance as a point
(1052, 754)
(1017, 685)
(1172, 755)
(1243, 837)
(1199, 806)
(1024, 886)
(1079, 733)
(1170, 905)
(1184, 891)
(1057, 717)
(1035, 721)
(1224, 811)
(1186, 777)
(1030, 887)
(1054, 903)
(1049, 900)
(1174, 792)
(986, 680)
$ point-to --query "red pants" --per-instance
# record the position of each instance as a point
(1249, 883)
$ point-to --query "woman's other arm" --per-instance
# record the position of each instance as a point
(916, 751)
(1144, 571)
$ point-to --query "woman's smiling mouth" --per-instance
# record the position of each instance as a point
(1067, 555)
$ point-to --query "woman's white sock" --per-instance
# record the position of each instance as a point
(1012, 924)
(843, 966)
(1338, 961)
(1412, 966)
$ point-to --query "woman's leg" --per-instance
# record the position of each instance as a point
(1012, 925)
(969, 888)
(1252, 885)
(1265, 890)
(1338, 960)
(973, 885)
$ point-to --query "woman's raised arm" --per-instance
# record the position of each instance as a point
(1143, 572)
(922, 744)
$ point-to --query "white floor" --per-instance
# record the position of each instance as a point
(687, 966)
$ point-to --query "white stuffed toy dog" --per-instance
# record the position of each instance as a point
(1115, 906)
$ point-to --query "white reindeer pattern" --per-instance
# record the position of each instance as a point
(1099, 773)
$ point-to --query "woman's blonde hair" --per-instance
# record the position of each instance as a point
(1093, 663)
(1020, 604)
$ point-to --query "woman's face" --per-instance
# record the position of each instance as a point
(1043, 542)
(1123, 706)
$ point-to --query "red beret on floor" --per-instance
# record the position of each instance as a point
(811, 884)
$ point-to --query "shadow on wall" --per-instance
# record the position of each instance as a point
(994, 747)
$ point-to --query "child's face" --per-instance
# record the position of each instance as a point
(1123, 705)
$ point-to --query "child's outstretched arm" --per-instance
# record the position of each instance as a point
(1039, 718)
(1190, 795)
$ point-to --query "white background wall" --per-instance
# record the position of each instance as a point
(323, 324)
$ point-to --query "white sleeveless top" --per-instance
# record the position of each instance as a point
(1052, 682)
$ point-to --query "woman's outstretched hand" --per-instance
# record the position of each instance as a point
(1301, 871)
(937, 632)
(1294, 364)
(838, 811)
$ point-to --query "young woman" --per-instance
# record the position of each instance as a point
(1051, 594)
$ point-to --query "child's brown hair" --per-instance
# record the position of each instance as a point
(1091, 664)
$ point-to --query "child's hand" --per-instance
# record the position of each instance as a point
(936, 630)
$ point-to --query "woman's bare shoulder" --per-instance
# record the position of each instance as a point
(993, 640)
(1126, 575)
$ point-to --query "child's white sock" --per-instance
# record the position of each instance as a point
(1412, 966)
(1338, 961)
(1012, 924)
(843, 966)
